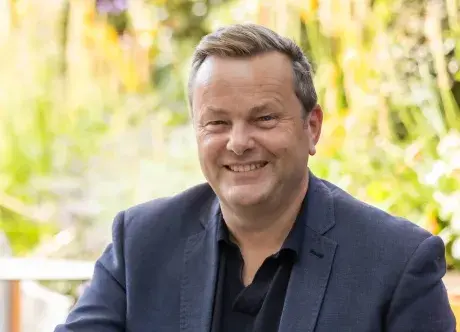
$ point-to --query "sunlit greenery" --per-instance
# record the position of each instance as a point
(93, 116)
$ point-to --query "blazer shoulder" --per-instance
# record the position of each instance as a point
(373, 222)
(191, 204)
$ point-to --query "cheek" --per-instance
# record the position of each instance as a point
(276, 143)
(285, 145)
(210, 147)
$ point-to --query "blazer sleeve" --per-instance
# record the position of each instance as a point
(420, 301)
(102, 306)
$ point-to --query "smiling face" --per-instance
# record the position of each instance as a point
(253, 136)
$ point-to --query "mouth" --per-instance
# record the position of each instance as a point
(242, 168)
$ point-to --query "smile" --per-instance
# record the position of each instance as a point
(246, 167)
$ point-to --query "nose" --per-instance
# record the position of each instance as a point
(240, 139)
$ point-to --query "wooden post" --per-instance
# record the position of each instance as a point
(14, 270)
(15, 306)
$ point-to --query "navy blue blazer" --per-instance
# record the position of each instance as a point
(360, 270)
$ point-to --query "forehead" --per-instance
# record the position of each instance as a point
(264, 74)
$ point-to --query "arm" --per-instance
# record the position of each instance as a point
(420, 300)
(102, 307)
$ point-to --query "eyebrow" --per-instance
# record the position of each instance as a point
(217, 110)
(252, 110)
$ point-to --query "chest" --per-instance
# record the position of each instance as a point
(254, 307)
(279, 301)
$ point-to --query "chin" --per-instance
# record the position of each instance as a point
(244, 197)
(246, 201)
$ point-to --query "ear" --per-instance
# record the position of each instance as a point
(314, 123)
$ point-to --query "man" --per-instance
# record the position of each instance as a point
(264, 245)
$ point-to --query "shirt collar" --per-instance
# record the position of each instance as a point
(222, 230)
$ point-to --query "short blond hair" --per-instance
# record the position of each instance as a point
(245, 40)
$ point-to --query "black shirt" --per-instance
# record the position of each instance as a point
(257, 307)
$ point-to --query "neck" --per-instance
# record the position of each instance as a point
(264, 228)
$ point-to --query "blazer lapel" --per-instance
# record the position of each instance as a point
(199, 277)
(310, 275)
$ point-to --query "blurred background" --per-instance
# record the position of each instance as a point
(94, 119)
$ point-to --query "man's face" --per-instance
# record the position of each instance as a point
(253, 136)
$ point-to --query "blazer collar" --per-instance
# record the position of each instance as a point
(199, 276)
(309, 276)
(320, 206)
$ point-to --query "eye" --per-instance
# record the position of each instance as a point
(266, 118)
(216, 123)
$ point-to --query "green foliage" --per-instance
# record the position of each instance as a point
(98, 124)
(26, 234)
(385, 75)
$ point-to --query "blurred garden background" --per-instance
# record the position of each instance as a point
(94, 119)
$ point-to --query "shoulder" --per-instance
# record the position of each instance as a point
(191, 201)
(390, 260)
(180, 213)
(372, 228)
(372, 242)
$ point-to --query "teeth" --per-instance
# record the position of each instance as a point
(246, 168)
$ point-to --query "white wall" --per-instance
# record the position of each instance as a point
(42, 309)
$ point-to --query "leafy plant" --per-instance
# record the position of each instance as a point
(93, 116)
